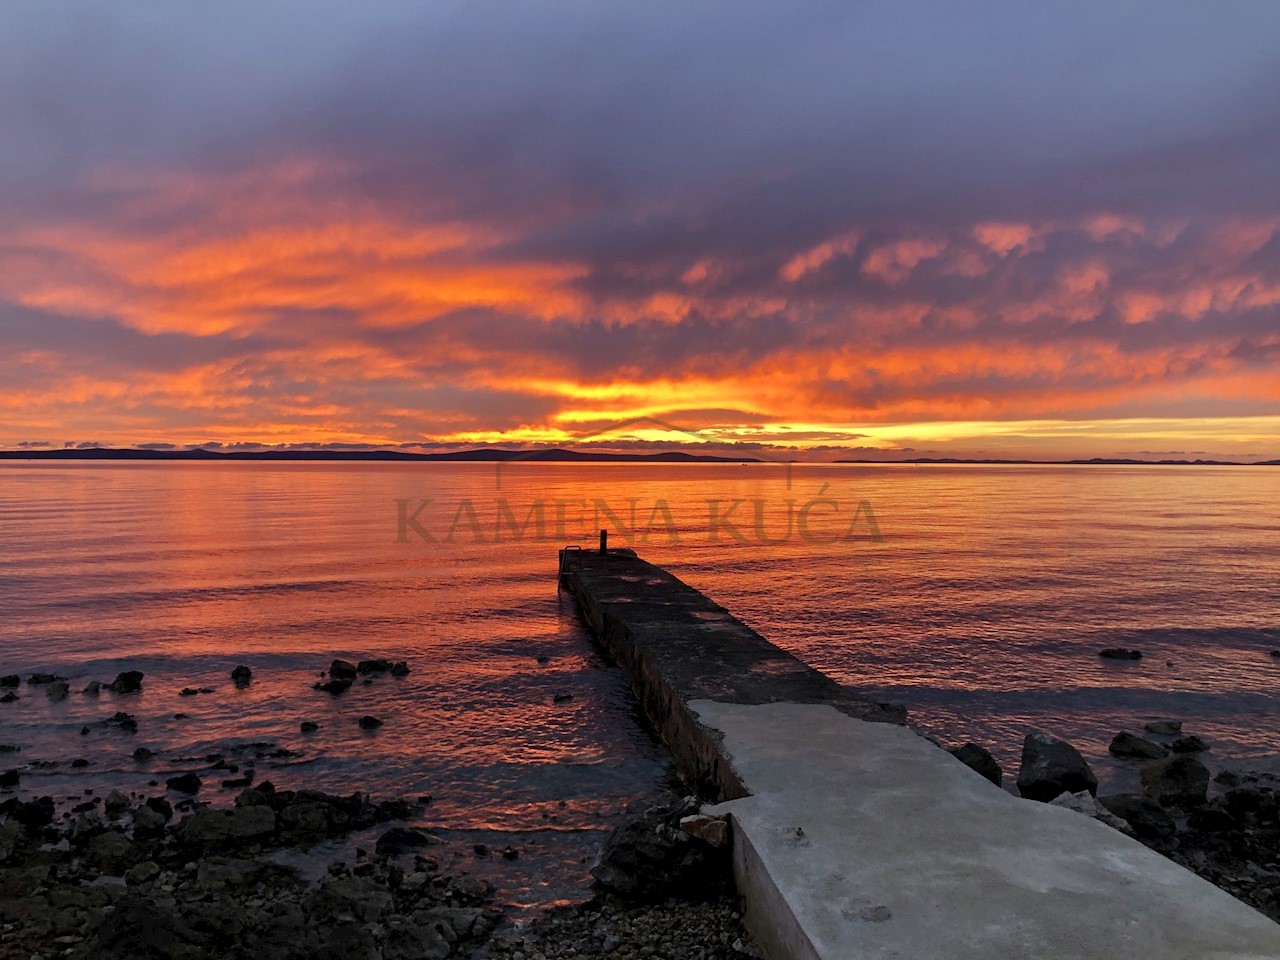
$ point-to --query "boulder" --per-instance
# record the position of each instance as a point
(37, 679)
(57, 690)
(34, 814)
(648, 857)
(1132, 747)
(184, 783)
(1148, 819)
(359, 898)
(308, 726)
(93, 688)
(1189, 744)
(334, 687)
(1051, 767)
(142, 754)
(369, 723)
(10, 778)
(112, 853)
(116, 805)
(10, 680)
(374, 666)
(400, 669)
(979, 760)
(410, 941)
(241, 675)
(1086, 803)
(1120, 653)
(148, 823)
(1180, 781)
(130, 681)
(141, 873)
(342, 670)
(226, 827)
(1164, 728)
(1213, 817)
(711, 830)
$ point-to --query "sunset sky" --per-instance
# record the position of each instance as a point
(855, 229)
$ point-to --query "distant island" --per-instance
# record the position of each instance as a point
(497, 455)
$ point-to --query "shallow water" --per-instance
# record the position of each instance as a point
(979, 597)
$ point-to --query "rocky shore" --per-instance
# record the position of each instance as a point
(160, 874)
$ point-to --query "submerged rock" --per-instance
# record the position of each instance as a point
(241, 675)
(38, 679)
(1180, 781)
(369, 723)
(1051, 767)
(400, 840)
(374, 666)
(308, 726)
(1130, 747)
(400, 669)
(980, 760)
(334, 687)
(1120, 653)
(10, 680)
(1189, 744)
(1165, 728)
(342, 670)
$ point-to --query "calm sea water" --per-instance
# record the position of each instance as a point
(978, 596)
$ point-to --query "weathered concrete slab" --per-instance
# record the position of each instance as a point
(857, 838)
(866, 840)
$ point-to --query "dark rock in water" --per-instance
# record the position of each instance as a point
(241, 675)
(480, 849)
(334, 687)
(148, 823)
(1180, 781)
(226, 827)
(92, 688)
(10, 778)
(400, 840)
(342, 670)
(373, 666)
(1189, 744)
(9, 697)
(1132, 747)
(10, 680)
(116, 804)
(562, 697)
(125, 721)
(1051, 767)
(9, 748)
(1148, 820)
(142, 754)
(978, 759)
(510, 853)
(308, 726)
(1276, 654)
(79, 763)
(188, 692)
(160, 805)
(1164, 728)
(400, 669)
(184, 783)
(58, 690)
(130, 681)
(36, 679)
(648, 857)
(1212, 817)
(369, 723)
(1120, 653)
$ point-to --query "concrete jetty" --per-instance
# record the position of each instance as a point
(854, 836)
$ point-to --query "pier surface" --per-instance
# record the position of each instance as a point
(854, 837)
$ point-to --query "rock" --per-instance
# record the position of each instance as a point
(342, 670)
(1276, 654)
(399, 840)
(130, 681)
(510, 853)
(1212, 817)
(1131, 747)
(334, 687)
(711, 830)
(480, 849)
(1120, 653)
(37, 679)
(139, 927)
(215, 827)
(241, 675)
(184, 783)
(34, 814)
(116, 805)
(1148, 819)
(161, 806)
(10, 680)
(1051, 767)
(562, 698)
(979, 760)
(648, 857)
(85, 827)
(1189, 744)
(1086, 803)
(1180, 781)
(400, 669)
(1166, 728)
(409, 941)
(142, 755)
(369, 723)
(125, 721)
(112, 853)
(188, 692)
(141, 873)
(57, 690)
(9, 697)
(359, 898)
(308, 726)
(9, 748)
(373, 666)
(79, 763)
(10, 778)
(148, 823)
(93, 688)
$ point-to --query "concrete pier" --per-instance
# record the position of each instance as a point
(854, 837)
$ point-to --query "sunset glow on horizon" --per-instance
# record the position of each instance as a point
(839, 233)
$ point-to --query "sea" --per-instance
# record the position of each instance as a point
(979, 596)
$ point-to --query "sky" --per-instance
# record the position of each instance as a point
(845, 228)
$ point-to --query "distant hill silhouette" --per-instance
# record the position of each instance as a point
(481, 455)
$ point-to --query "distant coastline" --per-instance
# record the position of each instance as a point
(497, 455)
